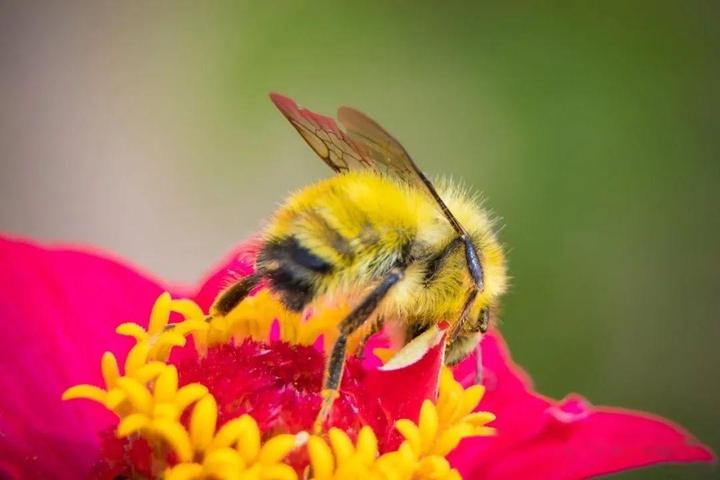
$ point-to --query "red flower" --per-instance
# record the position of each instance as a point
(58, 314)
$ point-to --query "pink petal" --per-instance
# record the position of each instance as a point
(509, 395)
(542, 439)
(239, 263)
(578, 441)
(58, 312)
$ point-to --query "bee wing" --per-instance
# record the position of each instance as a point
(364, 145)
(324, 137)
(388, 156)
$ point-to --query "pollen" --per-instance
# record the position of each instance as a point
(256, 316)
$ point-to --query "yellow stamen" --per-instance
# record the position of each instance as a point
(160, 314)
(91, 392)
(203, 422)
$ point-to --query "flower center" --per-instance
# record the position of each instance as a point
(239, 405)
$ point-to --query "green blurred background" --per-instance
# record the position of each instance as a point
(590, 128)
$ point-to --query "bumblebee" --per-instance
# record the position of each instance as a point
(381, 237)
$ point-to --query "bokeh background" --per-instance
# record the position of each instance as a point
(590, 128)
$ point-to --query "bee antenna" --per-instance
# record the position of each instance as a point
(473, 262)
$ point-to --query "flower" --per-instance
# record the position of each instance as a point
(59, 311)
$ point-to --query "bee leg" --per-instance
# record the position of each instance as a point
(484, 325)
(229, 298)
(478, 365)
(233, 295)
(458, 327)
(336, 362)
(377, 326)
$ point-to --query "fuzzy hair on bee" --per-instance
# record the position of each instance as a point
(379, 236)
(339, 237)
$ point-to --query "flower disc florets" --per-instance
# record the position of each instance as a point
(238, 407)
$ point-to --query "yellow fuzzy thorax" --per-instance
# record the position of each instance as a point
(374, 217)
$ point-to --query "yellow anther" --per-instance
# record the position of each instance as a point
(227, 435)
(248, 441)
(114, 400)
(166, 410)
(367, 446)
(203, 422)
(341, 444)
(89, 392)
(176, 436)
(322, 460)
(189, 326)
(479, 418)
(160, 314)
(187, 308)
(149, 371)
(428, 425)
(137, 394)
(276, 449)
(433, 467)
(411, 432)
(137, 357)
(110, 369)
(224, 464)
(184, 471)
(277, 471)
(133, 330)
(449, 439)
(166, 385)
(131, 424)
(189, 394)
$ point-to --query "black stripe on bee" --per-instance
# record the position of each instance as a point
(292, 270)
(289, 250)
(294, 291)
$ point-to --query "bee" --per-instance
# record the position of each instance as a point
(380, 236)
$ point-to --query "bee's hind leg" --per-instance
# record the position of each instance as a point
(336, 362)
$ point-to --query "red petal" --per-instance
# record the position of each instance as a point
(403, 387)
(543, 439)
(58, 313)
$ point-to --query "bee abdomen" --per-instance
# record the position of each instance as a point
(292, 270)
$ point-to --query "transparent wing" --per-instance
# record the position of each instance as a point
(387, 155)
(364, 145)
(324, 137)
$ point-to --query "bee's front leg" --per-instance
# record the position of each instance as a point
(336, 362)
(233, 295)
(478, 365)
